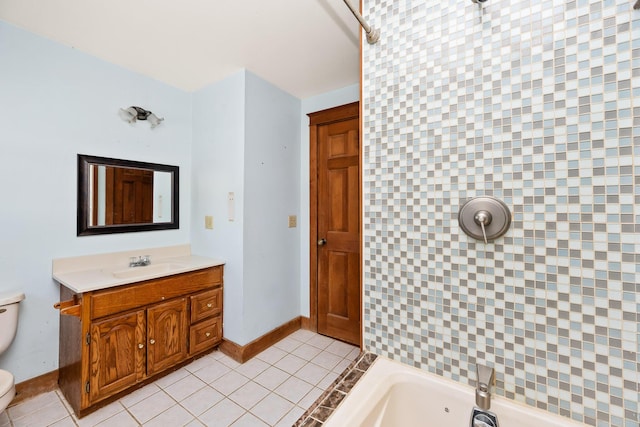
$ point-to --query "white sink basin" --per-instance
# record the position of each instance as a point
(153, 269)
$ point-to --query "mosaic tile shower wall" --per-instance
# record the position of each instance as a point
(536, 103)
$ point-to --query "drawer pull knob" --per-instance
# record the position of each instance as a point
(152, 341)
(140, 346)
(208, 334)
(209, 305)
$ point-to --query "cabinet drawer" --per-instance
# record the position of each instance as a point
(206, 304)
(127, 297)
(205, 335)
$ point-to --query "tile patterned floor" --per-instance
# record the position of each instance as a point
(273, 389)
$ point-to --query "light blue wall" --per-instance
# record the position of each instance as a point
(56, 102)
(218, 168)
(246, 141)
(321, 102)
(272, 193)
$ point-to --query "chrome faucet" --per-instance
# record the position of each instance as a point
(483, 388)
(481, 417)
(140, 261)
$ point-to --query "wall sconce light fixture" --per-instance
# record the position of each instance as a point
(133, 113)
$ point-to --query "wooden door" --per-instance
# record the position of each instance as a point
(167, 332)
(117, 354)
(338, 223)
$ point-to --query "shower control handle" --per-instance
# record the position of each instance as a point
(483, 218)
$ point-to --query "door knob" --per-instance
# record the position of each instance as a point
(322, 242)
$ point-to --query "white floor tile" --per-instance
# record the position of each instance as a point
(252, 368)
(272, 355)
(325, 382)
(153, 405)
(223, 414)
(290, 363)
(311, 373)
(302, 335)
(310, 398)
(320, 341)
(173, 377)
(353, 353)
(291, 417)
(326, 360)
(342, 365)
(31, 405)
(294, 389)
(249, 420)
(121, 419)
(228, 361)
(340, 348)
(174, 416)
(212, 371)
(184, 387)
(100, 415)
(287, 344)
(202, 400)
(65, 422)
(306, 352)
(139, 395)
(47, 415)
(4, 419)
(271, 378)
(229, 382)
(249, 394)
(272, 408)
(201, 362)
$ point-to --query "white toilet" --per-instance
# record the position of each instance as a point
(9, 302)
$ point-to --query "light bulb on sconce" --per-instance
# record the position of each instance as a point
(134, 113)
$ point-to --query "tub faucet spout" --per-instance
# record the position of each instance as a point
(483, 389)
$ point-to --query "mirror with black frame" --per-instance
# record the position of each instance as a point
(122, 196)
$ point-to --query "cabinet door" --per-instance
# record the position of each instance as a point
(167, 328)
(117, 354)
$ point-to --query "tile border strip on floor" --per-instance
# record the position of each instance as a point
(328, 401)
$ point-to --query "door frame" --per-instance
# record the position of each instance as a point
(319, 118)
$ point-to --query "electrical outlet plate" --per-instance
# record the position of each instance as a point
(293, 221)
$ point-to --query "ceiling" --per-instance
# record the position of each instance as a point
(305, 47)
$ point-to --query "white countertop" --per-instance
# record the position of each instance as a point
(95, 272)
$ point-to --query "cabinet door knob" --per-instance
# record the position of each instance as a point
(152, 341)
(209, 305)
(141, 346)
(208, 334)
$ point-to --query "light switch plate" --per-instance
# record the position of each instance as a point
(293, 221)
(208, 222)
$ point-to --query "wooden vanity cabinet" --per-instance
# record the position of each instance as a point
(126, 335)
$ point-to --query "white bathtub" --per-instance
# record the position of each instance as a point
(391, 394)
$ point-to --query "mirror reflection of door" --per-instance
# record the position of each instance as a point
(122, 196)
